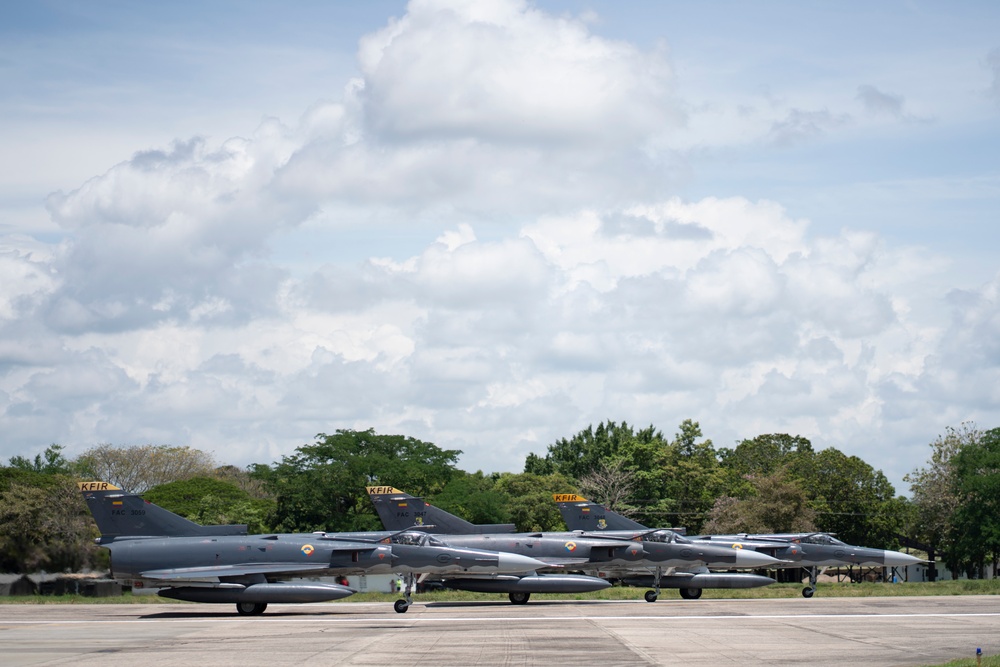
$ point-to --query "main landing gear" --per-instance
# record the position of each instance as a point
(250, 608)
(690, 593)
(517, 597)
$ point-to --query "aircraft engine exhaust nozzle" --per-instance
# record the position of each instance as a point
(260, 593)
(547, 583)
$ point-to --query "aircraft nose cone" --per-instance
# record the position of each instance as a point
(509, 562)
(750, 558)
(899, 559)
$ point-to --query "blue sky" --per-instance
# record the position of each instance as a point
(234, 225)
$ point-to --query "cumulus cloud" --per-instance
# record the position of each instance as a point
(435, 72)
(561, 282)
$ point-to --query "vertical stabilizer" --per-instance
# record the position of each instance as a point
(582, 514)
(399, 511)
(120, 514)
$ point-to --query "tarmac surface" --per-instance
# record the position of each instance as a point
(820, 631)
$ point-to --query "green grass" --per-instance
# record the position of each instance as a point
(987, 661)
(824, 589)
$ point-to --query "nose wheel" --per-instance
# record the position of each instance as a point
(690, 593)
(516, 597)
(651, 596)
(402, 605)
(810, 590)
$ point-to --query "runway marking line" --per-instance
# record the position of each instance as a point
(496, 619)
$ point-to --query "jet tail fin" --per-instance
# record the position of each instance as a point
(119, 514)
(399, 511)
(582, 514)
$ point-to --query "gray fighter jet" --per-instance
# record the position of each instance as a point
(154, 548)
(591, 553)
(812, 551)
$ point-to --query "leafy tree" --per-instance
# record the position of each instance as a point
(475, 498)
(52, 462)
(694, 478)
(539, 465)
(210, 501)
(45, 524)
(976, 528)
(584, 452)
(660, 482)
(936, 494)
(765, 455)
(136, 469)
(244, 479)
(854, 500)
(322, 486)
(776, 505)
(529, 500)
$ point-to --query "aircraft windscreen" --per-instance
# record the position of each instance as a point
(416, 539)
(822, 538)
(665, 536)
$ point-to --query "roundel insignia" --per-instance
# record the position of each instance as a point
(571, 546)
(307, 549)
(737, 545)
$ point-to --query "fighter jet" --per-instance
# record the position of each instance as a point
(589, 553)
(812, 551)
(819, 551)
(154, 548)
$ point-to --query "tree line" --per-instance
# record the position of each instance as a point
(769, 483)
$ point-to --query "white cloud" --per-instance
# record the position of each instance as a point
(558, 278)
(436, 72)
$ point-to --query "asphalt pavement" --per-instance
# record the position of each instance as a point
(840, 632)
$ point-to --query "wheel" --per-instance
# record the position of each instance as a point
(250, 608)
(808, 591)
(690, 593)
(400, 606)
(650, 596)
(519, 598)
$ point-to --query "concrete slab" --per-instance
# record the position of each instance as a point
(820, 631)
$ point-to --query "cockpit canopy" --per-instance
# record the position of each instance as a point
(417, 539)
(822, 538)
(666, 537)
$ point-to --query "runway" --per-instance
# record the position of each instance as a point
(820, 631)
